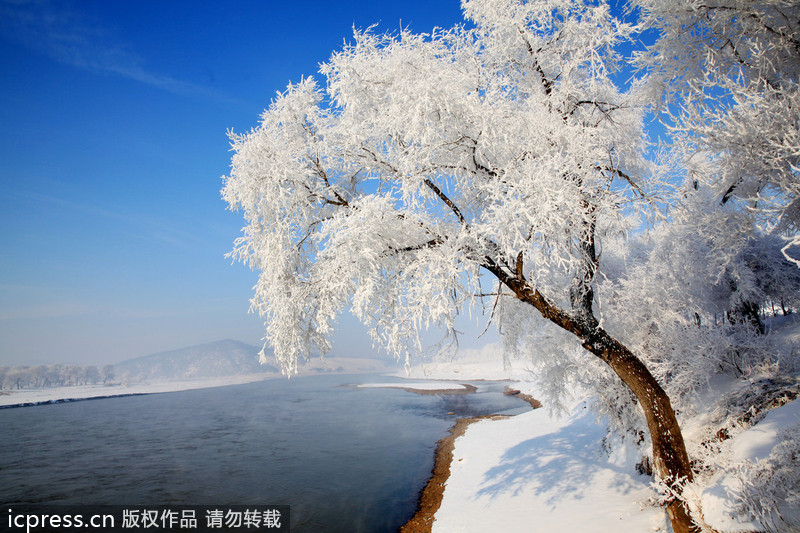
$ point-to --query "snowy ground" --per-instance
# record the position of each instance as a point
(61, 394)
(754, 444)
(539, 473)
(535, 472)
(417, 385)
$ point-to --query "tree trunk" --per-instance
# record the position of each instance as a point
(669, 451)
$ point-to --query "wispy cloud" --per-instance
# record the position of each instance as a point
(75, 39)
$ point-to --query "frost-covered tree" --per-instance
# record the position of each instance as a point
(691, 308)
(428, 162)
(107, 373)
(726, 72)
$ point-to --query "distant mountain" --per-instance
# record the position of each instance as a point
(229, 358)
(215, 359)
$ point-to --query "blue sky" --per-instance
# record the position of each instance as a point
(113, 121)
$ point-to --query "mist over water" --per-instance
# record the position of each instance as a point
(344, 459)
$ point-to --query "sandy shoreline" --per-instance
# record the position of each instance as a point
(430, 499)
(431, 496)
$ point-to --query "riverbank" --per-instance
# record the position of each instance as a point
(424, 387)
(431, 496)
(535, 472)
(30, 397)
(530, 472)
(539, 472)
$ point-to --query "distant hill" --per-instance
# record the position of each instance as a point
(227, 358)
(215, 359)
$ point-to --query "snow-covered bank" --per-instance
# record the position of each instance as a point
(533, 472)
(752, 450)
(26, 397)
(421, 386)
(311, 367)
(538, 473)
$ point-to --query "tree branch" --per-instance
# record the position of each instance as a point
(447, 201)
(546, 83)
(429, 244)
(625, 177)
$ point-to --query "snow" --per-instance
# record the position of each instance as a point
(719, 499)
(417, 385)
(84, 392)
(313, 366)
(537, 472)
(534, 473)
(758, 441)
(470, 364)
(719, 509)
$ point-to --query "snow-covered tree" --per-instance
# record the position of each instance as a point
(428, 162)
(107, 373)
(726, 73)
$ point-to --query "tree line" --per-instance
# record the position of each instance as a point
(57, 375)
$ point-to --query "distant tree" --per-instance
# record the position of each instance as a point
(39, 376)
(91, 375)
(72, 374)
(107, 373)
(17, 377)
(55, 377)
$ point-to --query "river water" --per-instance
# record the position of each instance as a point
(344, 459)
